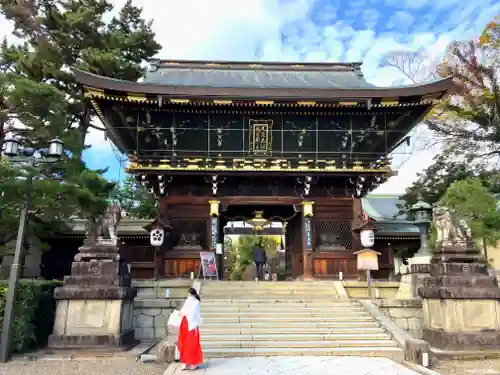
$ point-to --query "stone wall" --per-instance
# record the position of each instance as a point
(153, 305)
(406, 313)
(359, 289)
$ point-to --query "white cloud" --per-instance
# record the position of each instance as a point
(400, 20)
(311, 30)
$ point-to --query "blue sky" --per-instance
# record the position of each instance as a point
(309, 30)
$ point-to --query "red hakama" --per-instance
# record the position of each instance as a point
(189, 345)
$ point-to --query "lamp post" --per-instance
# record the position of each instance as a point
(30, 158)
(422, 218)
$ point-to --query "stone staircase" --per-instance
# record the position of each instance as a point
(287, 318)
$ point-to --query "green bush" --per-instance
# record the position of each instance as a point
(34, 313)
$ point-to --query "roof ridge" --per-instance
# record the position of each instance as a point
(288, 65)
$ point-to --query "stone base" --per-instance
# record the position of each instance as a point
(84, 323)
(122, 341)
(462, 324)
(418, 270)
(414, 350)
(481, 340)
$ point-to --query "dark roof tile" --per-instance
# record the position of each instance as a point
(258, 78)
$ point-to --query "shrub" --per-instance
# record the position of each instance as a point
(34, 313)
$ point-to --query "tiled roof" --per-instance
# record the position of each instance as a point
(385, 211)
(258, 78)
(380, 207)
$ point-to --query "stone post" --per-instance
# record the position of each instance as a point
(95, 304)
(461, 302)
(419, 265)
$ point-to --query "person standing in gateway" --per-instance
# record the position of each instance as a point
(259, 257)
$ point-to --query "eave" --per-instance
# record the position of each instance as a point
(256, 167)
(104, 87)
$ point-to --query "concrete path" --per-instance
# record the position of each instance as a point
(298, 366)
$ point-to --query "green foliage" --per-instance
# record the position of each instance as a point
(135, 200)
(62, 34)
(38, 90)
(281, 273)
(433, 183)
(472, 201)
(34, 313)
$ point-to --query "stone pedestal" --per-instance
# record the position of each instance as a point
(417, 271)
(461, 302)
(95, 304)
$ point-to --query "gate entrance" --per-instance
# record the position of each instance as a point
(281, 221)
(205, 137)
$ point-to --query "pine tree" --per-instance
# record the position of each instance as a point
(38, 90)
(135, 200)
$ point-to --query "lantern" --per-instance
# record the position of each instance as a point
(11, 147)
(56, 148)
(367, 237)
(258, 222)
(307, 209)
(156, 236)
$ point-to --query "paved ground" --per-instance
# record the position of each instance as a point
(115, 366)
(300, 366)
(479, 367)
(230, 366)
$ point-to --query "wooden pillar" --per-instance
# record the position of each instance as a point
(159, 262)
(307, 239)
(214, 235)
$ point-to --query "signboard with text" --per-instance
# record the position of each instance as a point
(208, 265)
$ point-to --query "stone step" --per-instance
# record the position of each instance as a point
(253, 282)
(270, 288)
(298, 344)
(341, 330)
(272, 320)
(298, 326)
(283, 314)
(260, 300)
(331, 289)
(325, 292)
(279, 308)
(296, 337)
(396, 354)
(311, 302)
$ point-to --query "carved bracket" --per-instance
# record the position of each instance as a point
(157, 185)
(215, 180)
(360, 186)
(306, 182)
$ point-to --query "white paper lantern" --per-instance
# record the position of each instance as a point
(367, 238)
(156, 237)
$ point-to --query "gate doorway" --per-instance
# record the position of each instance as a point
(282, 222)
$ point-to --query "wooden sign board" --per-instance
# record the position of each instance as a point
(208, 265)
(367, 259)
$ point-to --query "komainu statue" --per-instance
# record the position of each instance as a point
(102, 230)
(451, 230)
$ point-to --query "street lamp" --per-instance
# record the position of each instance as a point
(30, 157)
(422, 218)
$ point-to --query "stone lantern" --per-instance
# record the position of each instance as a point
(419, 265)
(422, 218)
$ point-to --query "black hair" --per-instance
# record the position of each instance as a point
(194, 293)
